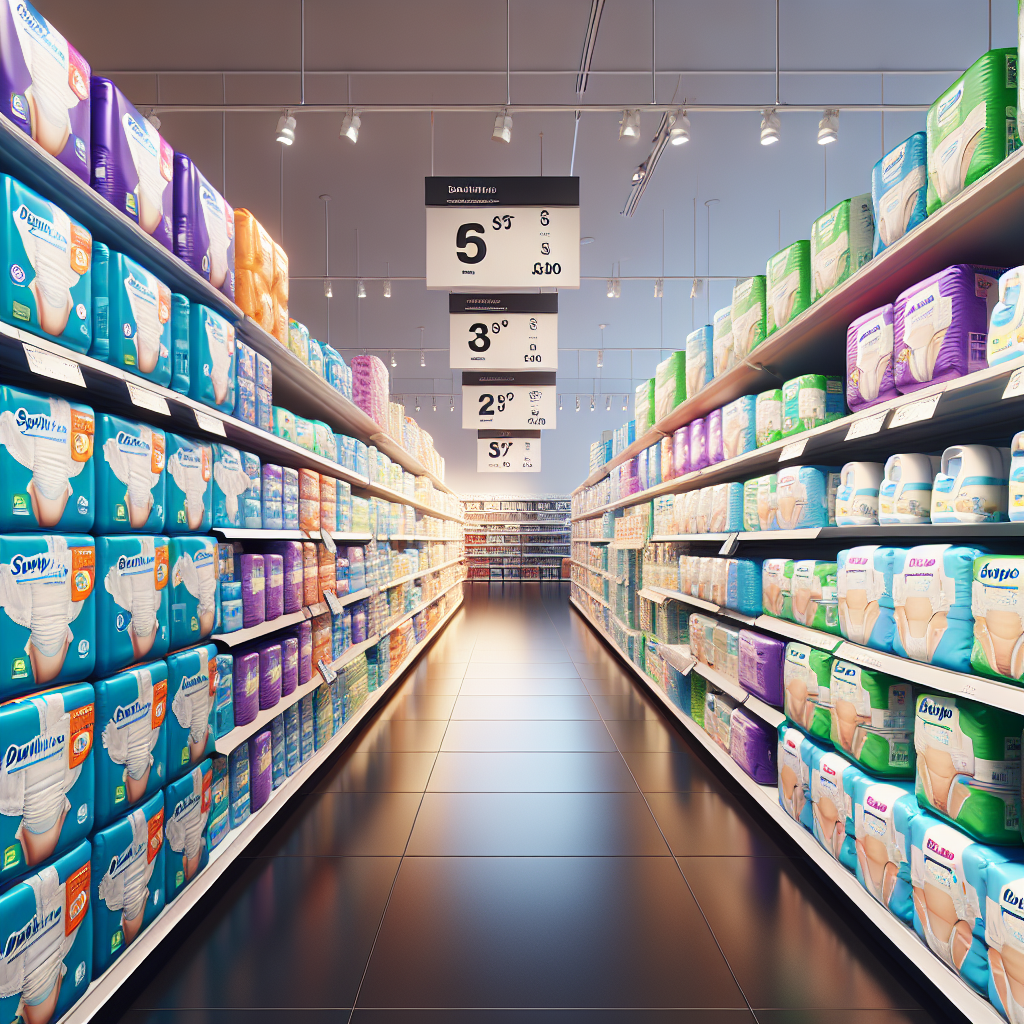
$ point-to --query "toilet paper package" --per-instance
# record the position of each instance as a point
(788, 284)
(131, 162)
(812, 598)
(739, 427)
(931, 592)
(882, 815)
(899, 190)
(776, 579)
(805, 497)
(857, 494)
(246, 687)
(747, 316)
(193, 597)
(810, 401)
(127, 880)
(47, 469)
(47, 287)
(186, 813)
(905, 494)
(841, 243)
(131, 600)
(204, 227)
(941, 326)
(872, 720)
(998, 609)
(972, 126)
(238, 785)
(224, 701)
(794, 760)
(700, 359)
(971, 485)
(130, 462)
(869, 355)
(752, 745)
(864, 586)
(46, 931)
(46, 777)
(761, 661)
(219, 822)
(1002, 912)
(723, 352)
(270, 676)
(767, 501)
(698, 445)
(669, 384)
(807, 679)
(769, 417)
(1006, 322)
(968, 766)
(261, 768)
(726, 509)
(751, 524)
(47, 610)
(231, 484)
(833, 779)
(188, 479)
(211, 346)
(191, 694)
(716, 444)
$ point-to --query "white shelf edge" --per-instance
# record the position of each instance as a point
(773, 716)
(243, 636)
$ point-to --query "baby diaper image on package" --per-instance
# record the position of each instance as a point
(899, 190)
(211, 359)
(766, 500)
(1004, 882)
(776, 576)
(193, 597)
(1006, 322)
(864, 585)
(46, 931)
(131, 752)
(127, 880)
(807, 679)
(812, 598)
(716, 443)
(189, 485)
(968, 766)
(869, 368)
(726, 508)
(191, 698)
(932, 594)
(872, 720)
(769, 417)
(794, 760)
(130, 491)
(722, 349)
(805, 497)
(788, 284)
(231, 484)
(46, 462)
(832, 781)
(669, 384)
(186, 813)
(998, 609)
(747, 316)
(47, 610)
(905, 494)
(883, 852)
(204, 226)
(841, 243)
(700, 365)
(811, 401)
(971, 485)
(857, 494)
(739, 426)
(46, 777)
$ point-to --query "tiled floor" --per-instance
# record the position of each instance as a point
(520, 835)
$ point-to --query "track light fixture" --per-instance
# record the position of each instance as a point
(502, 127)
(559, 403)
(639, 174)
(697, 287)
(360, 289)
(600, 358)
(451, 408)
(417, 403)
(591, 403)
(659, 288)
(328, 291)
(828, 128)
(769, 127)
(387, 288)
(608, 404)
(286, 129)
(625, 402)
(629, 126)
(394, 361)
(423, 358)
(577, 403)
(680, 130)
(614, 288)
(350, 125)
(435, 403)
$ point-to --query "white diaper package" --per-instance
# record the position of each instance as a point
(1004, 937)
(971, 485)
(705, 495)
(796, 752)
(189, 485)
(702, 638)
(1006, 324)
(718, 709)
(230, 484)
(130, 461)
(997, 603)
(832, 781)
(739, 426)
(211, 359)
(1015, 504)
(864, 584)
(726, 508)
(775, 585)
(186, 813)
(723, 353)
(807, 679)
(726, 641)
(857, 494)
(905, 495)
(767, 501)
(769, 417)
(869, 354)
(805, 497)
(750, 520)
(841, 243)
(700, 365)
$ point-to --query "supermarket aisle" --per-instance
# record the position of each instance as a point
(521, 836)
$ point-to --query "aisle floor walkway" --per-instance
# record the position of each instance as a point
(520, 835)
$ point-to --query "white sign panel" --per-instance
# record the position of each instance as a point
(504, 332)
(503, 232)
(508, 401)
(508, 451)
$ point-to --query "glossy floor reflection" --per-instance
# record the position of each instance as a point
(520, 835)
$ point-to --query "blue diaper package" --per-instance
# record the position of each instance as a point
(739, 426)
(832, 782)
(127, 880)
(805, 497)
(796, 752)
(292, 741)
(882, 813)
(230, 484)
(245, 400)
(278, 764)
(219, 822)
(899, 191)
(130, 759)
(1004, 882)
(130, 461)
(191, 691)
(238, 784)
(211, 359)
(193, 596)
(181, 374)
(189, 485)
(743, 586)
(224, 702)
(864, 586)
(307, 733)
(252, 501)
(186, 813)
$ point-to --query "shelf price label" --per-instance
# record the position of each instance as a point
(518, 232)
(211, 424)
(1015, 385)
(503, 332)
(793, 450)
(508, 401)
(866, 426)
(146, 399)
(47, 364)
(508, 451)
(915, 412)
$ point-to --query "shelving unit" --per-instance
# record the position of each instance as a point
(515, 523)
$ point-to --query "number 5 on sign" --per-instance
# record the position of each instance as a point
(508, 451)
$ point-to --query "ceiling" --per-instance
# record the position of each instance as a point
(232, 53)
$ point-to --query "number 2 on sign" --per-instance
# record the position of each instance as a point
(487, 403)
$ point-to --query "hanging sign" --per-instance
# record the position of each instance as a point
(503, 232)
(508, 401)
(504, 332)
(508, 451)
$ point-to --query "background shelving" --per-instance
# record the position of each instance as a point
(512, 538)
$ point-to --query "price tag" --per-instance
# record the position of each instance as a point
(1015, 385)
(866, 426)
(915, 412)
(793, 450)
(860, 656)
(730, 545)
(509, 401)
(210, 424)
(325, 536)
(46, 364)
(146, 399)
(327, 673)
(503, 332)
(332, 602)
(508, 451)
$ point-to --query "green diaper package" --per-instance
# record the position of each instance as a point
(669, 384)
(841, 243)
(769, 417)
(810, 401)
(768, 501)
(644, 407)
(750, 523)
(776, 578)
(747, 316)
(807, 678)
(812, 597)
(788, 284)
(722, 353)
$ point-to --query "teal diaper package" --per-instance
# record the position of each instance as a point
(795, 755)
(832, 780)
(219, 822)
(191, 693)
(811, 401)
(211, 359)
(230, 484)
(130, 492)
(186, 814)
(193, 589)
(189, 485)
(788, 284)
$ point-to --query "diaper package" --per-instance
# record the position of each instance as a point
(972, 126)
(193, 597)
(742, 585)
(971, 485)
(832, 782)
(812, 598)
(230, 485)
(130, 489)
(747, 316)
(872, 720)
(722, 351)
(238, 784)
(941, 326)
(807, 678)
(47, 610)
(219, 820)
(643, 407)
(968, 766)
(1004, 881)
(788, 284)
(883, 849)
(45, 85)
(669, 384)
(864, 584)
(46, 462)
(131, 600)
(811, 401)
(752, 745)
(750, 520)
(761, 661)
(698, 445)
(211, 359)
(794, 759)
(869, 366)
(1006, 323)
(46, 930)
(841, 243)
(191, 699)
(739, 427)
(769, 417)
(805, 497)
(189, 485)
(1015, 503)
(186, 813)
(998, 609)
(700, 363)
(204, 227)
(131, 746)
(127, 880)
(718, 711)
(857, 494)
(905, 494)
(47, 287)
(716, 444)
(726, 509)
(931, 592)
(776, 578)
(767, 501)
(899, 190)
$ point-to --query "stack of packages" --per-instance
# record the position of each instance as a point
(261, 276)
(253, 388)
(370, 388)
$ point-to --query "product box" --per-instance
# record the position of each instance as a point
(204, 227)
(841, 243)
(211, 359)
(186, 813)
(748, 316)
(193, 596)
(130, 489)
(788, 284)
(191, 696)
(188, 485)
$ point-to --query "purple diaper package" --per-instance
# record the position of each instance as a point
(270, 675)
(869, 367)
(274, 568)
(305, 633)
(698, 445)
(204, 227)
(714, 421)
(753, 745)
(681, 451)
(940, 326)
(254, 591)
(261, 778)
(246, 687)
(45, 86)
(132, 164)
(273, 492)
(291, 555)
(289, 665)
(761, 660)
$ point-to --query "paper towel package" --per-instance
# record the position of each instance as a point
(752, 744)
(739, 427)
(46, 931)
(810, 401)
(857, 494)
(805, 497)
(941, 326)
(231, 484)
(769, 417)
(788, 284)
(722, 352)
(864, 584)
(130, 462)
(131, 600)
(1003, 883)
(841, 243)
(807, 678)
(261, 769)
(811, 598)
(211, 342)
(204, 226)
(127, 880)
(760, 666)
(832, 782)
(47, 286)
(188, 482)
(191, 694)
(193, 597)
(47, 610)
(998, 609)
(794, 761)
(700, 359)
(47, 470)
(186, 814)
(669, 384)
(972, 485)
(899, 191)
(238, 784)
(869, 354)
(716, 444)
(1006, 321)
(747, 316)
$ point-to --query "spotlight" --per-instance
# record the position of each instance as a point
(154, 120)
(360, 290)
(423, 358)
(659, 288)
(680, 130)
(828, 128)
(697, 287)
(614, 288)
(502, 127)
(328, 293)
(394, 361)
(350, 125)
(387, 288)
(608, 404)
(625, 402)
(600, 358)
(452, 407)
(559, 403)
(769, 127)
(629, 126)
(640, 173)
(435, 403)
(286, 129)
(591, 403)
(577, 403)
(417, 403)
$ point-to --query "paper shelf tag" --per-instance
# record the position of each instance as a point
(1015, 385)
(46, 364)
(915, 412)
(866, 426)
(793, 450)
(146, 399)
(211, 424)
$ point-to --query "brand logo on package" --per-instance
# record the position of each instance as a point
(17, 941)
(132, 445)
(144, 288)
(934, 847)
(929, 708)
(31, 568)
(990, 571)
(23, 755)
(135, 565)
(949, 104)
(41, 32)
(199, 680)
(125, 715)
(40, 424)
(876, 805)
(134, 129)
(893, 163)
